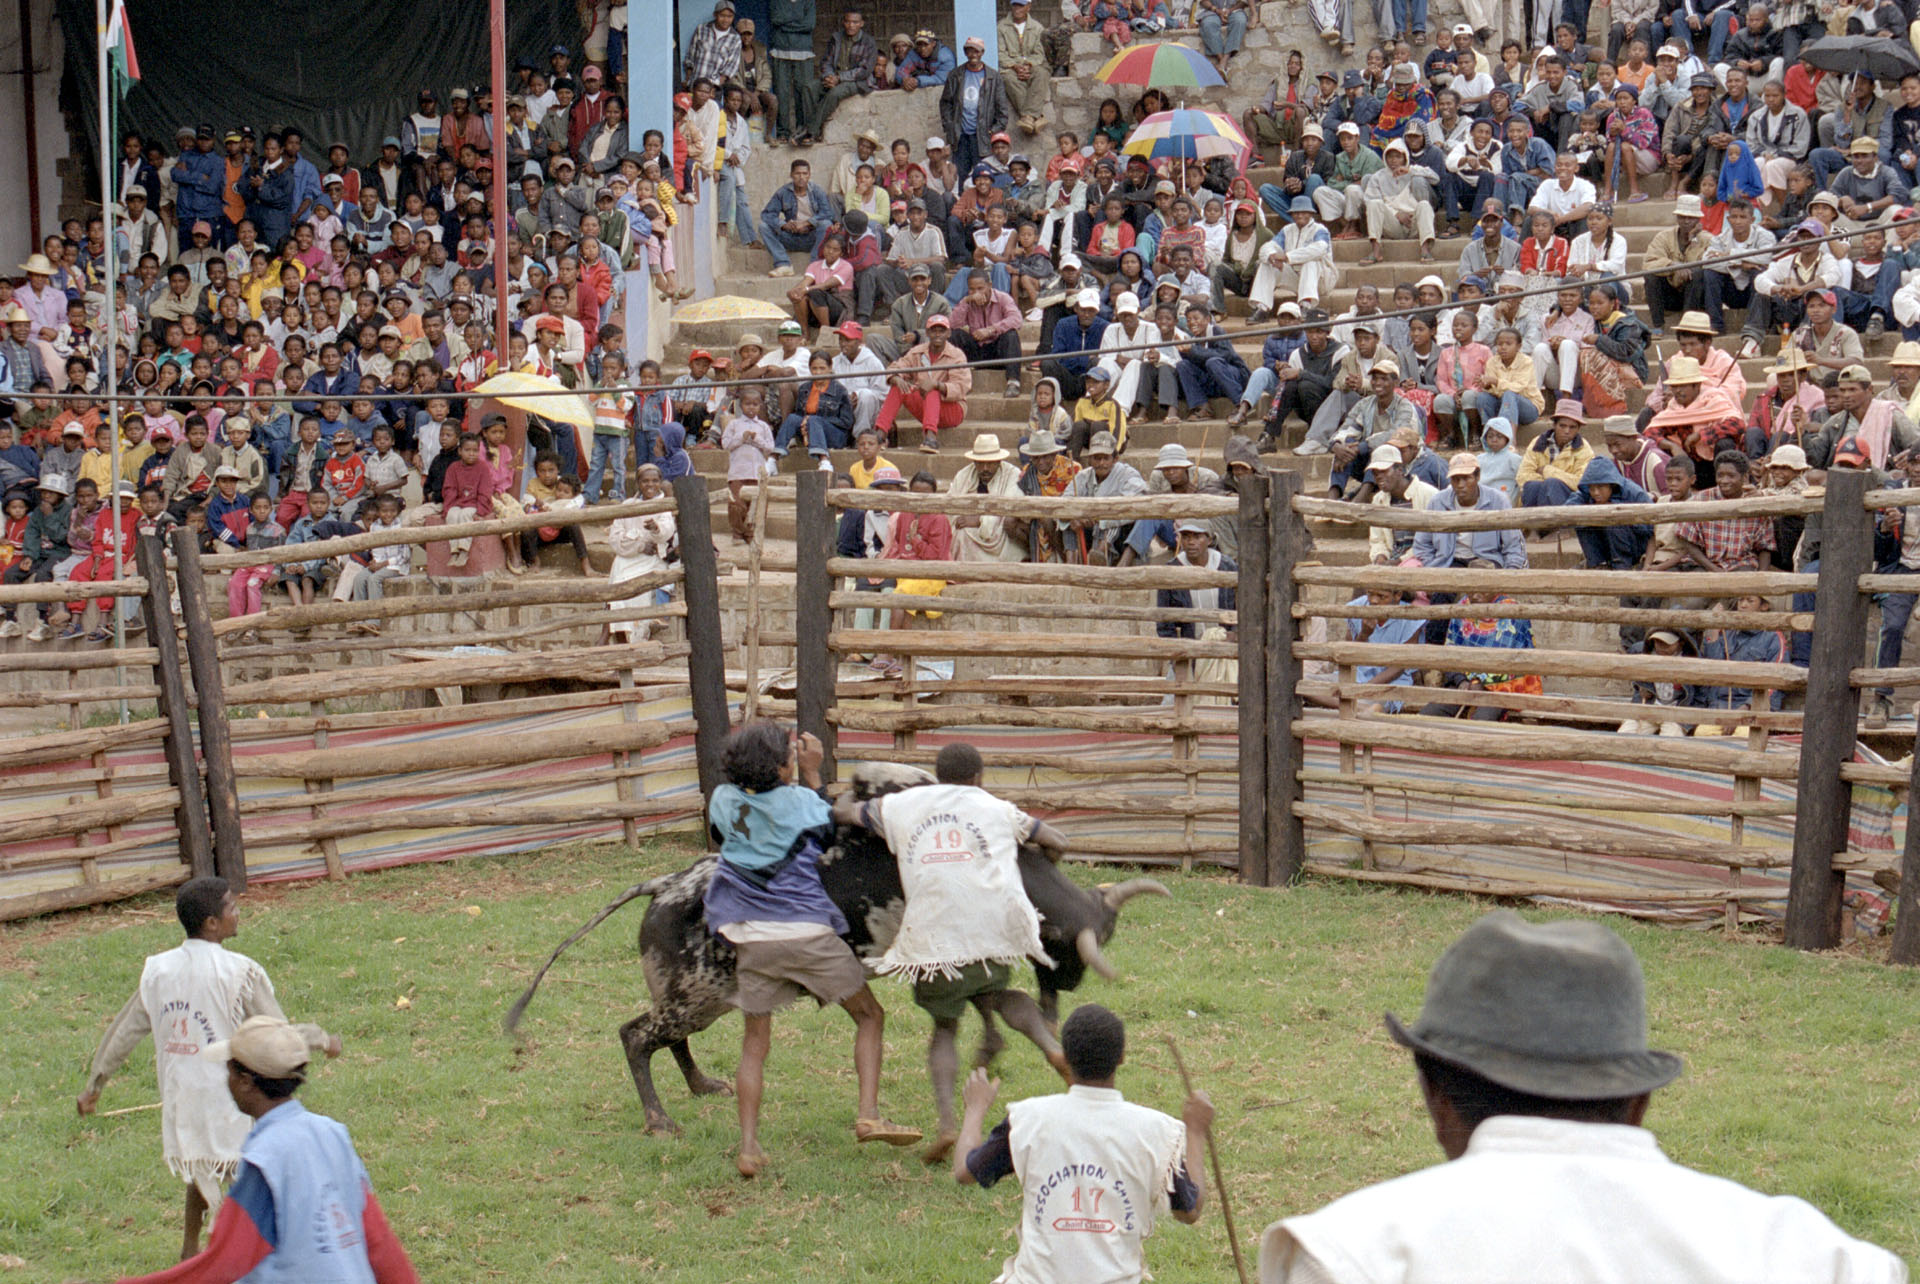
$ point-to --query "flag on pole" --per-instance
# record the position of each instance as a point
(120, 56)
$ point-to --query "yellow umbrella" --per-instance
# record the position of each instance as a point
(545, 397)
(731, 307)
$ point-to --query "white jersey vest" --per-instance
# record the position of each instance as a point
(195, 994)
(1095, 1172)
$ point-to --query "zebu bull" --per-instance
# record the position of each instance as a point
(690, 970)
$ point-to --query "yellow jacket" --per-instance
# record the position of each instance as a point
(1517, 378)
(1543, 462)
(96, 466)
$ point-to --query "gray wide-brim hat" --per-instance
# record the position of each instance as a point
(1556, 1010)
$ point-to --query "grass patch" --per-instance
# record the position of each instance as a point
(498, 1161)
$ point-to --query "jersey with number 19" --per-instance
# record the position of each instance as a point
(1095, 1171)
(958, 848)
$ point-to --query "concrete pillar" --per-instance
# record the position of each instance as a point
(977, 18)
(650, 65)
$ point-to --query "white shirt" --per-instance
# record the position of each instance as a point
(1557, 200)
(1545, 1201)
(1095, 1172)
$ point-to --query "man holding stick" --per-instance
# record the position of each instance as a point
(1097, 1170)
(190, 997)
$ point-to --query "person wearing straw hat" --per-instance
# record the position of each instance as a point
(1903, 389)
(1124, 1164)
(1534, 1067)
(983, 537)
(866, 151)
(1049, 472)
(302, 1206)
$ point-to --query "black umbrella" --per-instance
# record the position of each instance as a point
(1882, 57)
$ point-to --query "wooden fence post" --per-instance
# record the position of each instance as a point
(1832, 714)
(216, 740)
(1288, 545)
(707, 659)
(1250, 601)
(813, 662)
(190, 816)
(1906, 909)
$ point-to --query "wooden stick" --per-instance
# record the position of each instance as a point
(77, 746)
(1554, 518)
(346, 684)
(1568, 801)
(84, 894)
(558, 592)
(73, 661)
(438, 534)
(1117, 508)
(587, 620)
(1474, 886)
(1649, 617)
(78, 695)
(1573, 583)
(1569, 664)
(1213, 1158)
(126, 1110)
(1530, 744)
(65, 591)
(1536, 833)
(1125, 646)
(1072, 763)
(933, 718)
(1583, 708)
(757, 517)
(1166, 575)
(453, 753)
(956, 604)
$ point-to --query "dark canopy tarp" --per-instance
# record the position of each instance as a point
(343, 71)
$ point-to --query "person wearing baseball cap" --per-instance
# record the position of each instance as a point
(301, 1206)
(929, 65)
(973, 106)
(931, 383)
(1465, 494)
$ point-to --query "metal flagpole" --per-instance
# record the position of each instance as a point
(111, 324)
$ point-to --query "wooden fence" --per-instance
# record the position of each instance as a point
(314, 782)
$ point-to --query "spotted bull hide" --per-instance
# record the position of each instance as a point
(690, 970)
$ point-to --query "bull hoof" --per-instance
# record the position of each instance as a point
(659, 1124)
(708, 1086)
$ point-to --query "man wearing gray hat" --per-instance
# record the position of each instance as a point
(1533, 1063)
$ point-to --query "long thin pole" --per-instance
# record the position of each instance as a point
(111, 324)
(1213, 1158)
(502, 224)
(29, 116)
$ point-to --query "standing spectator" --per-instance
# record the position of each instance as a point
(973, 106)
(1532, 1056)
(200, 178)
(847, 71)
(714, 51)
(790, 50)
(215, 990)
(1023, 66)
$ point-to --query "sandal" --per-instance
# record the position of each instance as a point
(885, 1130)
(1376, 257)
(1636, 198)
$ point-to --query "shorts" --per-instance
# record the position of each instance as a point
(771, 974)
(945, 998)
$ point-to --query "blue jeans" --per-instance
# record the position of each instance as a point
(646, 442)
(1275, 198)
(1550, 491)
(957, 288)
(608, 448)
(779, 243)
(1895, 610)
(1722, 293)
(1510, 406)
(1720, 29)
(1826, 162)
(1259, 383)
(734, 208)
(1412, 15)
(1800, 644)
(1216, 376)
(822, 434)
(1140, 540)
(1218, 45)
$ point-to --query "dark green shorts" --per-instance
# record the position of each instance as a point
(945, 998)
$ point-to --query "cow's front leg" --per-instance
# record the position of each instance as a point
(641, 1038)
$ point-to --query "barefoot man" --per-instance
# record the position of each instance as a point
(190, 997)
(968, 918)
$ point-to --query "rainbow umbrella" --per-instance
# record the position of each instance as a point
(1186, 134)
(1160, 66)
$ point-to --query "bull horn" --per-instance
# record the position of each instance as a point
(1120, 893)
(1088, 943)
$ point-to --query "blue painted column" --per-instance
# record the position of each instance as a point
(650, 59)
(977, 18)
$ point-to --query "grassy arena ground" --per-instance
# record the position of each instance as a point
(504, 1162)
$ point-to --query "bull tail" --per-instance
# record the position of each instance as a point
(649, 888)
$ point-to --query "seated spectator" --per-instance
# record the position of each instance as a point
(1828, 342)
(1078, 333)
(1492, 633)
(1779, 136)
(642, 546)
(1749, 646)
(822, 409)
(1640, 461)
(1399, 204)
(927, 386)
(1633, 138)
(1508, 388)
(1209, 365)
(1860, 431)
(983, 538)
(1195, 549)
(1557, 461)
(1613, 360)
(1499, 461)
(547, 492)
(1460, 377)
(986, 327)
(1394, 487)
(1371, 422)
(1298, 263)
(1475, 548)
(1727, 544)
(1341, 199)
(1237, 268)
(1393, 632)
(1610, 548)
(1567, 197)
(795, 218)
(825, 292)
(1048, 472)
(1096, 412)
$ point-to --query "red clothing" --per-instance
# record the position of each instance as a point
(468, 486)
(1802, 87)
(920, 537)
(588, 294)
(452, 135)
(236, 1246)
(345, 478)
(584, 115)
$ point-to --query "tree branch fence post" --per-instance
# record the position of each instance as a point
(183, 769)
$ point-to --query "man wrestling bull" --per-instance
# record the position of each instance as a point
(968, 919)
